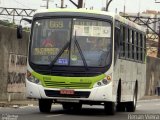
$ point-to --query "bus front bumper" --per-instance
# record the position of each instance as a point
(103, 93)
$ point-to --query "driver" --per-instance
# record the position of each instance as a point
(49, 41)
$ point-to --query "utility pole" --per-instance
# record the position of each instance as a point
(80, 3)
(13, 17)
(47, 4)
(62, 3)
(124, 9)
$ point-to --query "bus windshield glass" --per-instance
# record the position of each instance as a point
(71, 42)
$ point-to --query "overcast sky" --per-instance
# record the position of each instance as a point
(131, 5)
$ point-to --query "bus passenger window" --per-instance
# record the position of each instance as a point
(144, 48)
(141, 47)
(135, 46)
(133, 37)
(126, 43)
(123, 42)
(130, 43)
(116, 43)
(137, 50)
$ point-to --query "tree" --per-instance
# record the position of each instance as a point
(107, 4)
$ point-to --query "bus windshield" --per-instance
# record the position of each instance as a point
(71, 42)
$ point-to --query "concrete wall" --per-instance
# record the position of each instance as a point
(152, 75)
(9, 44)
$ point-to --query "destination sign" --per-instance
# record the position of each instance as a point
(45, 51)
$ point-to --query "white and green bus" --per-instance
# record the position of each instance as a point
(79, 56)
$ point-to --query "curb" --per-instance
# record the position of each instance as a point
(17, 104)
(149, 100)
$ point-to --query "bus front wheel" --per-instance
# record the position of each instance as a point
(45, 105)
(72, 106)
(109, 108)
(67, 106)
(120, 107)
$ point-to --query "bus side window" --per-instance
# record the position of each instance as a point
(133, 42)
(144, 48)
(116, 42)
(121, 42)
(137, 46)
(126, 43)
(141, 47)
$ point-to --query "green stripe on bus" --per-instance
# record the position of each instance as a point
(68, 82)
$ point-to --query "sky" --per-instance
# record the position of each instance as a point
(132, 6)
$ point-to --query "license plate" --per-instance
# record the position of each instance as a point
(67, 92)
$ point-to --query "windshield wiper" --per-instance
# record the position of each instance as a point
(59, 54)
(64, 48)
(80, 51)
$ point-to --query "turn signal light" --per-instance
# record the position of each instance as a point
(108, 77)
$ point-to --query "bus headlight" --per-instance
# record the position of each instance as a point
(31, 78)
(103, 82)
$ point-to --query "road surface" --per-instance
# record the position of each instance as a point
(146, 110)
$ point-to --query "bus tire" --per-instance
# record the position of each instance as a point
(109, 108)
(45, 105)
(66, 106)
(70, 106)
(131, 106)
(120, 107)
(77, 107)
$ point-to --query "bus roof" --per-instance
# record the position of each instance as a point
(82, 10)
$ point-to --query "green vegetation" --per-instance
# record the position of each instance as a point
(12, 25)
(7, 23)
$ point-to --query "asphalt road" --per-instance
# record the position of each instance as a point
(146, 110)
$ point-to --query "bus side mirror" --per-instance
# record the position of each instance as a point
(19, 31)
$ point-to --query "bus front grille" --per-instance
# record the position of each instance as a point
(76, 85)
